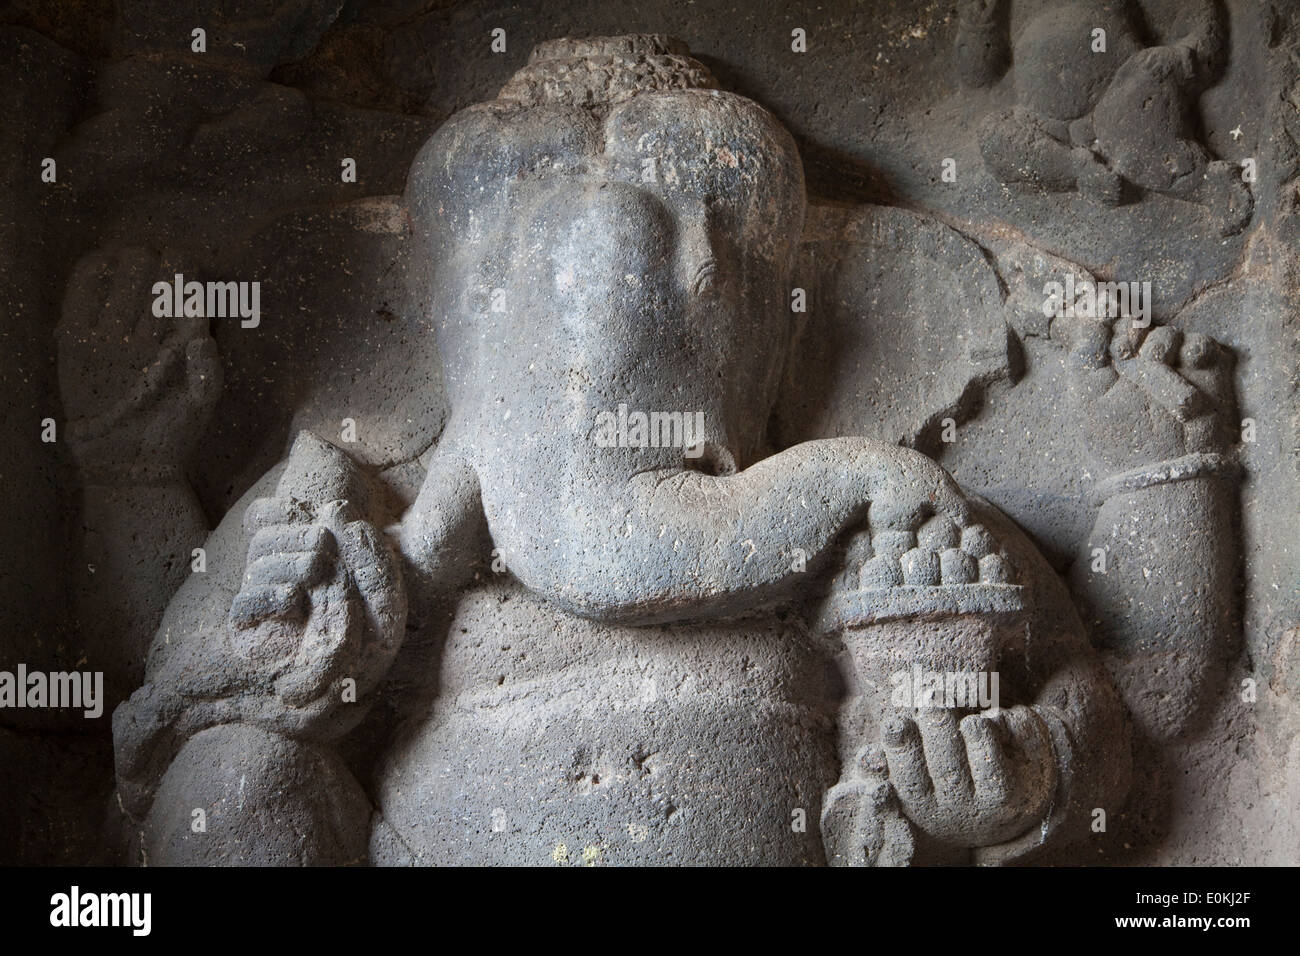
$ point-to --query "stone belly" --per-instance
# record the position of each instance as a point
(559, 740)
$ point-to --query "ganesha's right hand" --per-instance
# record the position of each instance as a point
(321, 601)
(317, 616)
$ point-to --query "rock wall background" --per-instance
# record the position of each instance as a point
(227, 164)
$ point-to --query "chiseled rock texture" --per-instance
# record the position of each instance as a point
(435, 620)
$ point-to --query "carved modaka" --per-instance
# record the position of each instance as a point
(631, 642)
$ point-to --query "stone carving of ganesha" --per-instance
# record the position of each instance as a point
(650, 651)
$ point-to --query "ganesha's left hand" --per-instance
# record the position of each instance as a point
(1147, 394)
(979, 780)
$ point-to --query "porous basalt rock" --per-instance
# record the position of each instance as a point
(620, 460)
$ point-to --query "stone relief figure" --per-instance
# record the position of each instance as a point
(661, 648)
(138, 389)
(1097, 107)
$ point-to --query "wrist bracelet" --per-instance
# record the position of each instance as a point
(1198, 464)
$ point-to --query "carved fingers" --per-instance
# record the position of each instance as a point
(862, 825)
(1185, 377)
(320, 596)
(106, 297)
(108, 314)
(975, 780)
(1155, 358)
(134, 383)
(284, 561)
(1148, 392)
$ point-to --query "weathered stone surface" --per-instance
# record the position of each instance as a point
(908, 310)
(453, 608)
(554, 739)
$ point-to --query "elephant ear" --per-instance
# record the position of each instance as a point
(345, 337)
(904, 327)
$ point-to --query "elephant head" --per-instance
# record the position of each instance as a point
(612, 239)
